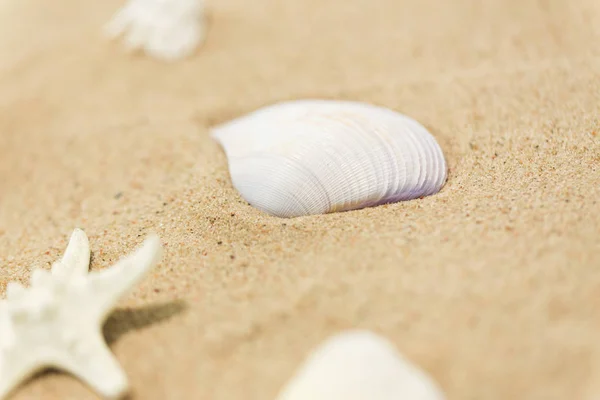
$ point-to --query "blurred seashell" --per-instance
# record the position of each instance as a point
(165, 29)
(319, 156)
(359, 365)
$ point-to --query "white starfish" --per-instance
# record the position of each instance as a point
(165, 29)
(57, 321)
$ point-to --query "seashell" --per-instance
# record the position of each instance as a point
(359, 365)
(165, 29)
(309, 157)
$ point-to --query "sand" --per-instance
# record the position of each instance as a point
(491, 285)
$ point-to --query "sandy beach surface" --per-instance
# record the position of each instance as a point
(491, 286)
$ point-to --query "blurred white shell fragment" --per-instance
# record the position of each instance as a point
(309, 157)
(359, 365)
(166, 29)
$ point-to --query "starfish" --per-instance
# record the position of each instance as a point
(57, 321)
(166, 29)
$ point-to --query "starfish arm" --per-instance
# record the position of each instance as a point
(109, 285)
(7, 334)
(92, 362)
(76, 260)
(14, 290)
(15, 368)
(117, 25)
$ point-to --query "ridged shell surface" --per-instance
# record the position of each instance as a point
(309, 157)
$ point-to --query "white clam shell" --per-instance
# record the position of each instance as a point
(359, 365)
(311, 157)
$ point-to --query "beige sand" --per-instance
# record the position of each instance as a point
(492, 285)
